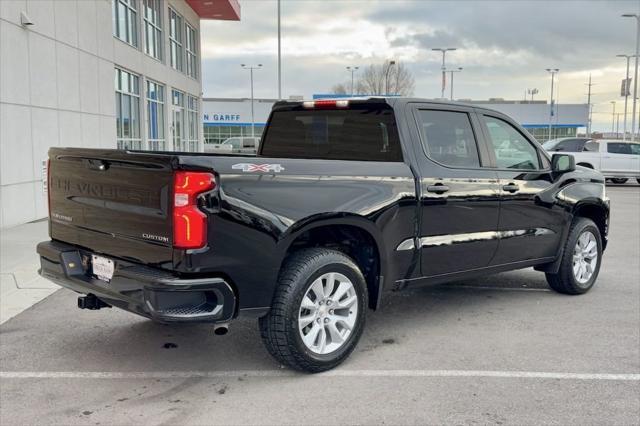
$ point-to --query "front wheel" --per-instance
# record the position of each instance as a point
(318, 311)
(581, 259)
(619, 180)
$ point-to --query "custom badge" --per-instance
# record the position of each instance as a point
(248, 167)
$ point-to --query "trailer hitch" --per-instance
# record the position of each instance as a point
(90, 301)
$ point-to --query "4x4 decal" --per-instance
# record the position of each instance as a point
(248, 167)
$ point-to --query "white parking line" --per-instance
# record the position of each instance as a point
(333, 373)
(478, 287)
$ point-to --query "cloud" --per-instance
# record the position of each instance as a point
(503, 46)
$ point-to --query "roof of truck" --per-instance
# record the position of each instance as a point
(393, 101)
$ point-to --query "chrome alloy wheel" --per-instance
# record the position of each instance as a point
(328, 313)
(585, 257)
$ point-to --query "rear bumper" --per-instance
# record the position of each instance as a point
(146, 291)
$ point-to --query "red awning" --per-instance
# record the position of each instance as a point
(227, 10)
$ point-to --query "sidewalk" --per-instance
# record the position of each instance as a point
(20, 284)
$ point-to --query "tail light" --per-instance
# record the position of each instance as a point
(189, 222)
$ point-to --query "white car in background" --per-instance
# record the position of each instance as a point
(617, 160)
(235, 145)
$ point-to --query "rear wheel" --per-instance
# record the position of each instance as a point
(318, 312)
(581, 259)
(619, 180)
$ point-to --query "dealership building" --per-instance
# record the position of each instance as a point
(228, 117)
(224, 118)
(95, 73)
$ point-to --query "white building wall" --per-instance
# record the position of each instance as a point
(57, 89)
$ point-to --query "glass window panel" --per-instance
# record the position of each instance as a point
(118, 116)
(127, 110)
(125, 21)
(512, 150)
(448, 138)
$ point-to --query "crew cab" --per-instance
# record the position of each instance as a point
(617, 160)
(346, 201)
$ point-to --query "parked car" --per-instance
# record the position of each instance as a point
(346, 201)
(235, 145)
(566, 144)
(616, 160)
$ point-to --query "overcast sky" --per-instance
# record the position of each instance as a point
(503, 46)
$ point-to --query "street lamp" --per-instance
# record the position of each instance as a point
(386, 78)
(626, 96)
(253, 121)
(635, 73)
(279, 56)
(613, 117)
(352, 70)
(444, 51)
(459, 69)
(553, 72)
(532, 92)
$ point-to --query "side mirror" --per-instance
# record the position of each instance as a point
(562, 163)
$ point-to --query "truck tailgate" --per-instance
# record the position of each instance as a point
(112, 202)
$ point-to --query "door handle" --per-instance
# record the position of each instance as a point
(438, 188)
(512, 187)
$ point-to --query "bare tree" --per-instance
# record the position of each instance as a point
(340, 89)
(385, 79)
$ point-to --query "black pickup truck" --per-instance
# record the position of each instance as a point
(346, 200)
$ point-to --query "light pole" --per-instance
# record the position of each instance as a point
(279, 58)
(253, 121)
(553, 72)
(532, 92)
(352, 70)
(635, 73)
(590, 110)
(452, 71)
(626, 96)
(386, 78)
(444, 51)
(613, 117)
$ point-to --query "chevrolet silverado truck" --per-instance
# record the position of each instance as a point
(345, 201)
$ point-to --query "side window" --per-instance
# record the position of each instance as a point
(569, 145)
(448, 138)
(635, 148)
(618, 148)
(592, 147)
(511, 148)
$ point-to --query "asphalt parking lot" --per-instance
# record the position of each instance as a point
(498, 350)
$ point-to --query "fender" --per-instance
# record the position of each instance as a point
(341, 219)
(585, 199)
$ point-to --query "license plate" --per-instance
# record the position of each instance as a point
(102, 267)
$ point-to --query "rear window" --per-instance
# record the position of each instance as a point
(362, 132)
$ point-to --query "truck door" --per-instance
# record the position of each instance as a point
(459, 198)
(617, 159)
(531, 223)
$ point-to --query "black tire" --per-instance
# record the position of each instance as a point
(619, 180)
(564, 280)
(279, 328)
